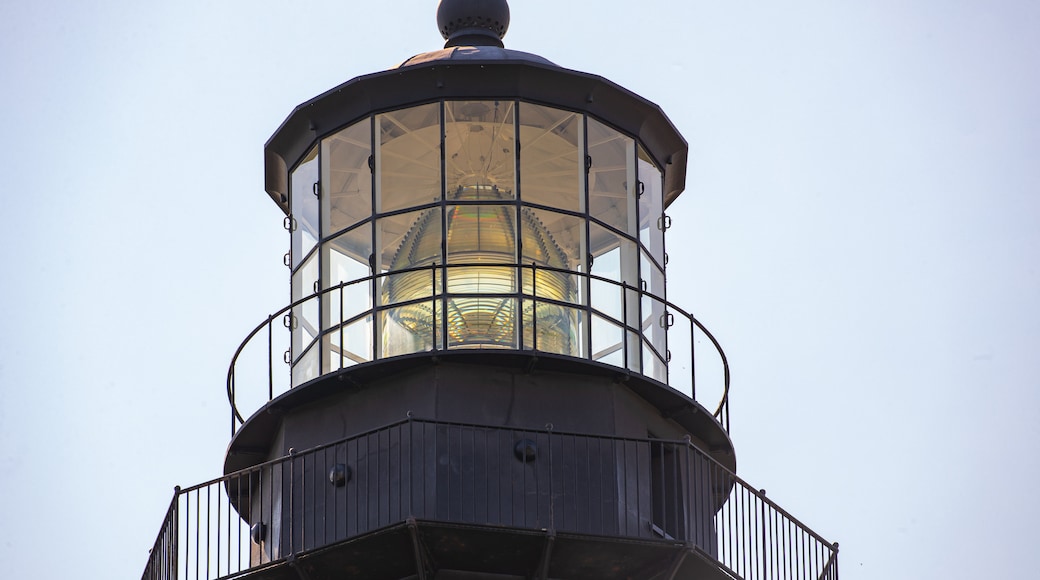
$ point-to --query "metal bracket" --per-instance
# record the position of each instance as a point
(372, 163)
(640, 188)
(294, 563)
(287, 259)
(316, 189)
(543, 563)
(423, 566)
(677, 562)
(667, 320)
(664, 222)
(588, 163)
(289, 223)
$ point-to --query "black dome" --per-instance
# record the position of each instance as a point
(473, 22)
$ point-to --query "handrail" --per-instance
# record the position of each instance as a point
(721, 412)
(210, 530)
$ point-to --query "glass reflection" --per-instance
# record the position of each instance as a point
(408, 157)
(303, 191)
(479, 148)
(651, 207)
(550, 165)
(612, 177)
(346, 177)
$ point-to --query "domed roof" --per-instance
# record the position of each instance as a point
(472, 53)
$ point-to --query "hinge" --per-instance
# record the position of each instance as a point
(667, 320)
(588, 163)
(287, 259)
(664, 222)
(372, 163)
(640, 188)
(316, 189)
(289, 223)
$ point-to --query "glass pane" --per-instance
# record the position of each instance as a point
(356, 339)
(482, 322)
(411, 240)
(607, 342)
(346, 177)
(612, 177)
(633, 344)
(409, 329)
(656, 321)
(306, 368)
(305, 319)
(347, 258)
(680, 366)
(408, 158)
(613, 256)
(553, 239)
(479, 150)
(653, 366)
(551, 162)
(651, 207)
(557, 241)
(552, 328)
(481, 234)
(304, 199)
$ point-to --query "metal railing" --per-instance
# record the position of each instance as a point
(429, 471)
(678, 351)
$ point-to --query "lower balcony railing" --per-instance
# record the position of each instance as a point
(645, 489)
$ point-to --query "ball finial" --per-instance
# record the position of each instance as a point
(473, 22)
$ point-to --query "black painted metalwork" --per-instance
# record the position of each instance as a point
(437, 478)
(439, 297)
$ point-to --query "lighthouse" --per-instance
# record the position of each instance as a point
(480, 373)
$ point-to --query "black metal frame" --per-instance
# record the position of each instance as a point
(444, 203)
(476, 79)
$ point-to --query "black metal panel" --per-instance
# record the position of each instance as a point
(260, 430)
(483, 552)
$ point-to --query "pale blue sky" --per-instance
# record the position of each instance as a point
(861, 230)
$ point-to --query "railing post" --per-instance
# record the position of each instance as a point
(175, 511)
(433, 297)
(624, 324)
(534, 308)
(342, 345)
(693, 360)
(552, 490)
